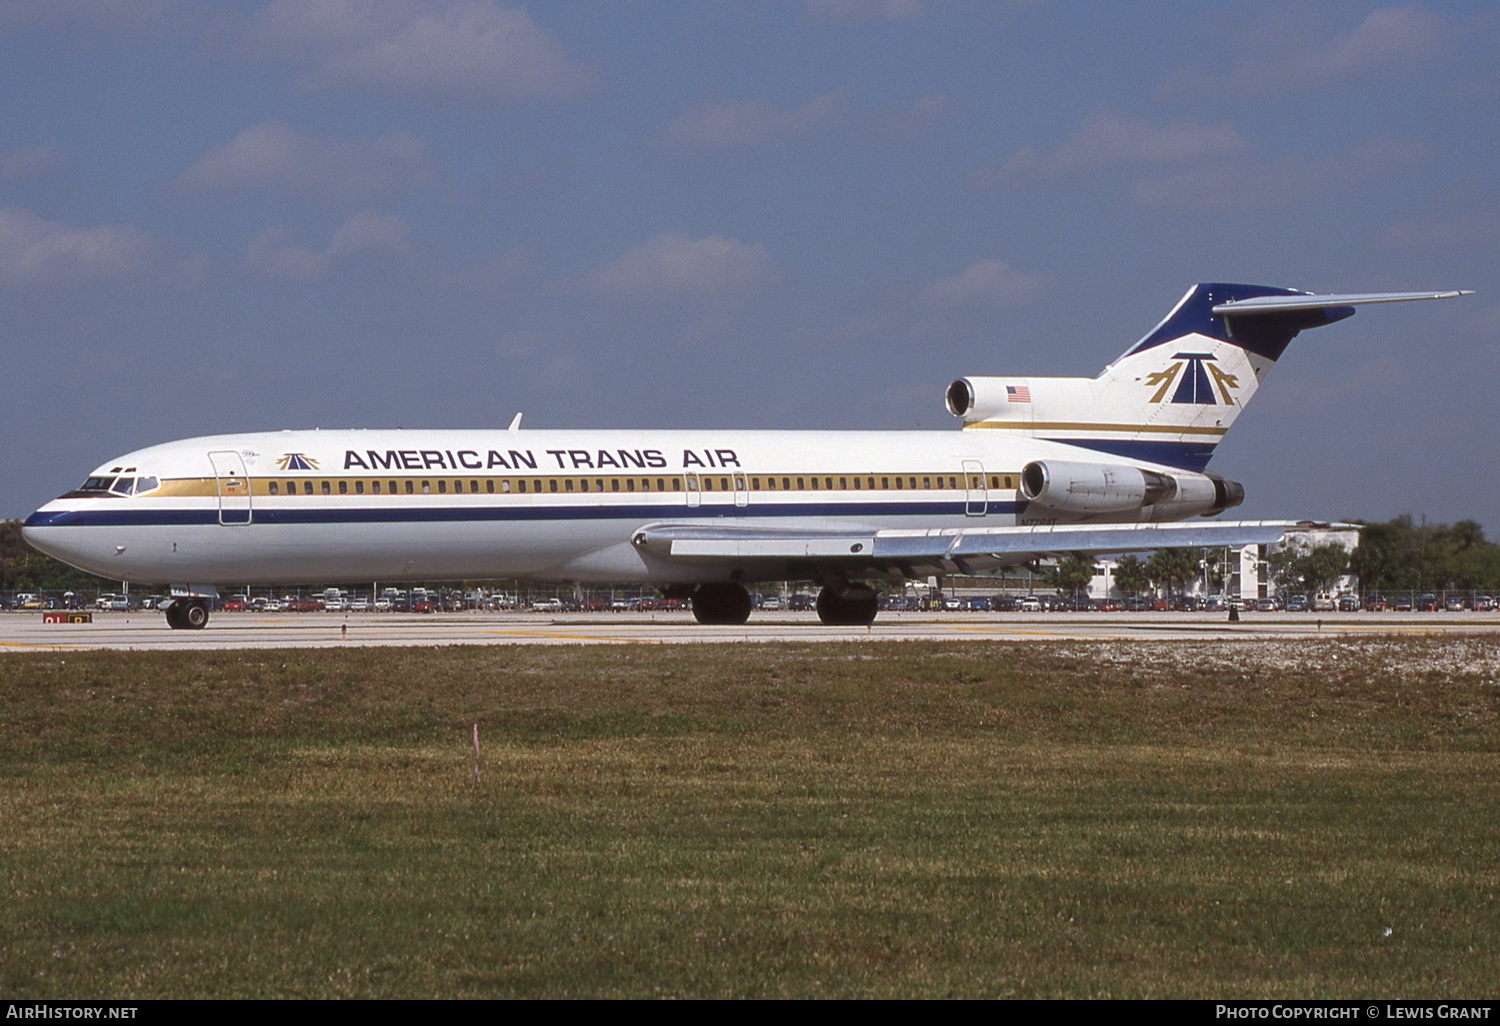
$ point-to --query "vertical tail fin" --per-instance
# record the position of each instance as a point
(1172, 396)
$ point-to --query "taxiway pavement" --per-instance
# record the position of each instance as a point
(21, 632)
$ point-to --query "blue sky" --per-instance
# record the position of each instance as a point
(222, 216)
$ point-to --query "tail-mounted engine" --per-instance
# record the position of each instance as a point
(1088, 489)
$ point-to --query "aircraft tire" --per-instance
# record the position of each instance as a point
(722, 604)
(855, 608)
(174, 616)
(195, 616)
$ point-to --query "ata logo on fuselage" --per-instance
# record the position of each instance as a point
(1197, 378)
(297, 461)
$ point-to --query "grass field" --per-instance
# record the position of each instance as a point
(1224, 819)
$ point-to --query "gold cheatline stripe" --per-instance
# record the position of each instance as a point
(594, 484)
(1166, 429)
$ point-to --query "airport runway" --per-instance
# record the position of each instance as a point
(22, 632)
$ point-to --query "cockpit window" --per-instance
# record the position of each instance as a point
(123, 486)
(145, 484)
(97, 484)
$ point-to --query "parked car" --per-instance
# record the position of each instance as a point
(1484, 604)
(1401, 604)
(1376, 603)
(1427, 602)
(1296, 604)
(1348, 603)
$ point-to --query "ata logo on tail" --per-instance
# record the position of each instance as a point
(1191, 373)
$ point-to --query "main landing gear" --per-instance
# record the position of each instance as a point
(187, 614)
(848, 605)
(727, 604)
(854, 605)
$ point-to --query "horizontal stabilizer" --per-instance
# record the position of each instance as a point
(1282, 304)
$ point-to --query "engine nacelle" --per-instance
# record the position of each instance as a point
(1088, 489)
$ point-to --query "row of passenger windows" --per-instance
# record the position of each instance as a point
(692, 483)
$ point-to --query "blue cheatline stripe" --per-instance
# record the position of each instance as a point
(116, 517)
(1187, 455)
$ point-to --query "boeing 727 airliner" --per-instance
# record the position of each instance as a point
(1113, 463)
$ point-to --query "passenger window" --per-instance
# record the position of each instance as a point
(814, 483)
(393, 488)
(426, 487)
(343, 487)
(327, 488)
(359, 488)
(614, 484)
(505, 486)
(489, 486)
(630, 484)
(375, 487)
(442, 487)
(843, 483)
(474, 487)
(306, 487)
(569, 484)
(552, 485)
(273, 487)
(708, 484)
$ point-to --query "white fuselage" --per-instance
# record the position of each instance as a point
(298, 507)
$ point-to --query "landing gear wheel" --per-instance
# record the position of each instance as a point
(856, 607)
(721, 604)
(195, 616)
(191, 616)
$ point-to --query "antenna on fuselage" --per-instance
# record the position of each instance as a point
(515, 423)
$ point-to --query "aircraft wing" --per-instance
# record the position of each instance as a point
(963, 547)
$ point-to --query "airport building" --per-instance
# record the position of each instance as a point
(1248, 573)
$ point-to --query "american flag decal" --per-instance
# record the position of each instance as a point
(1017, 393)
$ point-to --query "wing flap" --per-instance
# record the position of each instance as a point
(895, 547)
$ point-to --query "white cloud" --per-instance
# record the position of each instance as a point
(985, 282)
(673, 262)
(914, 121)
(463, 50)
(714, 125)
(34, 251)
(149, 17)
(42, 161)
(367, 233)
(869, 10)
(724, 125)
(1109, 139)
(274, 158)
(1261, 184)
(1390, 40)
